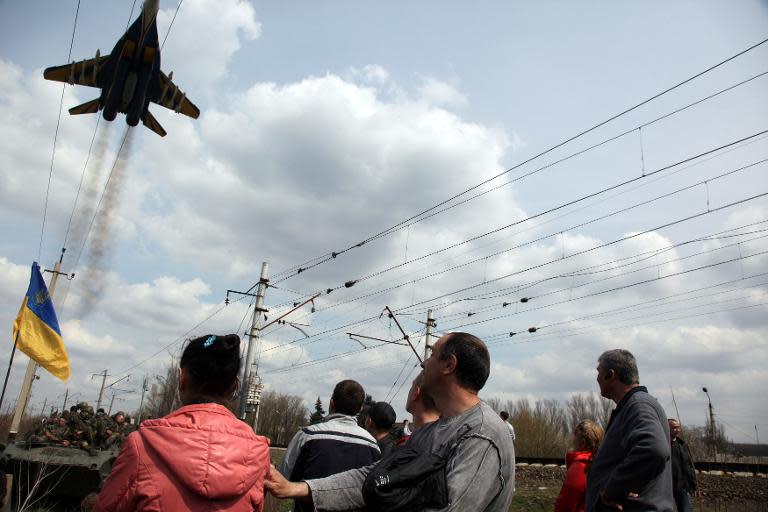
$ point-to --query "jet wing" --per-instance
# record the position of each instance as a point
(85, 72)
(171, 97)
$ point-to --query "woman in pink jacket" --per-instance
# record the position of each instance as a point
(200, 457)
(586, 439)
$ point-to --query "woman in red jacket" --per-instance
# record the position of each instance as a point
(200, 457)
(586, 438)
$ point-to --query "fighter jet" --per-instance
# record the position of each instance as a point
(129, 77)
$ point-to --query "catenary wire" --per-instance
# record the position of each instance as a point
(615, 276)
(553, 209)
(313, 337)
(617, 288)
(56, 137)
(90, 149)
(334, 254)
(117, 156)
(657, 302)
(577, 153)
(503, 292)
(568, 213)
(182, 337)
(491, 340)
(527, 243)
(629, 326)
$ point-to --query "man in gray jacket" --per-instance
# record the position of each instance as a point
(480, 468)
(631, 470)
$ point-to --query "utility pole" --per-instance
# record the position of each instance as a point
(141, 402)
(111, 403)
(712, 427)
(101, 391)
(250, 381)
(66, 395)
(427, 344)
(45, 402)
(29, 376)
(757, 440)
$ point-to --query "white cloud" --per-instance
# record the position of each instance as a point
(204, 36)
(302, 156)
(282, 172)
(437, 92)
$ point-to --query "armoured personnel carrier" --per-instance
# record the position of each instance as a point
(65, 474)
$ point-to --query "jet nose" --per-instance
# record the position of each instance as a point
(151, 7)
(149, 12)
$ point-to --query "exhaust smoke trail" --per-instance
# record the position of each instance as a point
(103, 231)
(89, 195)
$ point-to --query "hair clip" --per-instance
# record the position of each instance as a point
(207, 343)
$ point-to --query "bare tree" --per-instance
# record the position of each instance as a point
(163, 395)
(588, 406)
(541, 428)
(36, 481)
(281, 416)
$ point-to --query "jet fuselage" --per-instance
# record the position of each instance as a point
(132, 69)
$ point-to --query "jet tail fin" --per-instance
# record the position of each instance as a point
(89, 107)
(151, 123)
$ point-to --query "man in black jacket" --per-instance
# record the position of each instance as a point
(631, 470)
(381, 417)
(683, 473)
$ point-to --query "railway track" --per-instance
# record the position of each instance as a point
(725, 467)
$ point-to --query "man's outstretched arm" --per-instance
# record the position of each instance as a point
(280, 487)
(342, 491)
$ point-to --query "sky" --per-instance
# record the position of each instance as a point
(328, 124)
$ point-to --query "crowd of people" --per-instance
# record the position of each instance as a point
(457, 454)
(81, 427)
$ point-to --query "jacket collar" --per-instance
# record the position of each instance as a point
(623, 402)
(339, 416)
(207, 407)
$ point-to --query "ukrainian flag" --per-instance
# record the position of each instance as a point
(36, 329)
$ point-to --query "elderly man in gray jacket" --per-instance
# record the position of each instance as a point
(480, 468)
(631, 470)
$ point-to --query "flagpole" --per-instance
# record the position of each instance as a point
(29, 376)
(10, 363)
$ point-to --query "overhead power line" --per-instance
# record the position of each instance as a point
(56, 137)
(518, 246)
(333, 255)
(527, 299)
(492, 340)
(614, 289)
(182, 337)
(567, 334)
(591, 269)
(565, 205)
(316, 336)
(573, 155)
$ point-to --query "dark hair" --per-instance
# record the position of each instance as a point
(211, 364)
(623, 363)
(473, 363)
(382, 415)
(348, 396)
(504, 415)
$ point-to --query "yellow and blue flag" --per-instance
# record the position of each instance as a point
(36, 329)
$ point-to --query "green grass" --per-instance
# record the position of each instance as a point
(534, 500)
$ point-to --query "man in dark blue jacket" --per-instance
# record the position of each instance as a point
(335, 444)
(631, 470)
